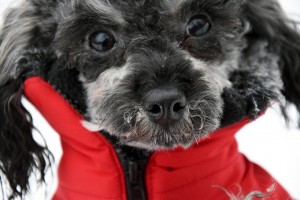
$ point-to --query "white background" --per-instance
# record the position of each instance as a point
(266, 141)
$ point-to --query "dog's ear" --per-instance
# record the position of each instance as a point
(269, 22)
(20, 154)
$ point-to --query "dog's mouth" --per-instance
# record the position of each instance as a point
(146, 133)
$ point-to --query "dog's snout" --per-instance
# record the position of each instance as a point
(164, 106)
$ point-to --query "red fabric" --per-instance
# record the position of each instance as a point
(90, 170)
(206, 169)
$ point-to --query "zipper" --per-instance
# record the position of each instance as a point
(134, 162)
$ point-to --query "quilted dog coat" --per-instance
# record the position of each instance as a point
(90, 168)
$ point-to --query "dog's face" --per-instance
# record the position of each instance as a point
(153, 71)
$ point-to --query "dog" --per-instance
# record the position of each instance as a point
(154, 74)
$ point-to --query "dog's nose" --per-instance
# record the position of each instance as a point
(164, 106)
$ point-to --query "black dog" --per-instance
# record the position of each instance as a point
(155, 74)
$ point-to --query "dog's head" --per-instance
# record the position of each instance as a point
(153, 72)
(156, 74)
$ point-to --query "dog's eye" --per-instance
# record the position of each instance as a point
(102, 41)
(198, 26)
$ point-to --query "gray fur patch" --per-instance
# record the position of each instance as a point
(107, 81)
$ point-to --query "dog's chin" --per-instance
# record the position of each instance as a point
(152, 136)
(163, 142)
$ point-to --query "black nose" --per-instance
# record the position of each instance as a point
(164, 106)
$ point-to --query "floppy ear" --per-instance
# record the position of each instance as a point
(22, 46)
(19, 152)
(269, 22)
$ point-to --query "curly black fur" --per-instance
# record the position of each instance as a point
(19, 152)
(47, 38)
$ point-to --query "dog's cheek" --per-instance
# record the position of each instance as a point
(106, 83)
(216, 73)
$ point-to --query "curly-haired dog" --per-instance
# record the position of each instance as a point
(153, 74)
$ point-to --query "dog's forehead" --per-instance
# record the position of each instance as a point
(132, 11)
(120, 11)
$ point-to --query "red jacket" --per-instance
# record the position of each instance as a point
(90, 169)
